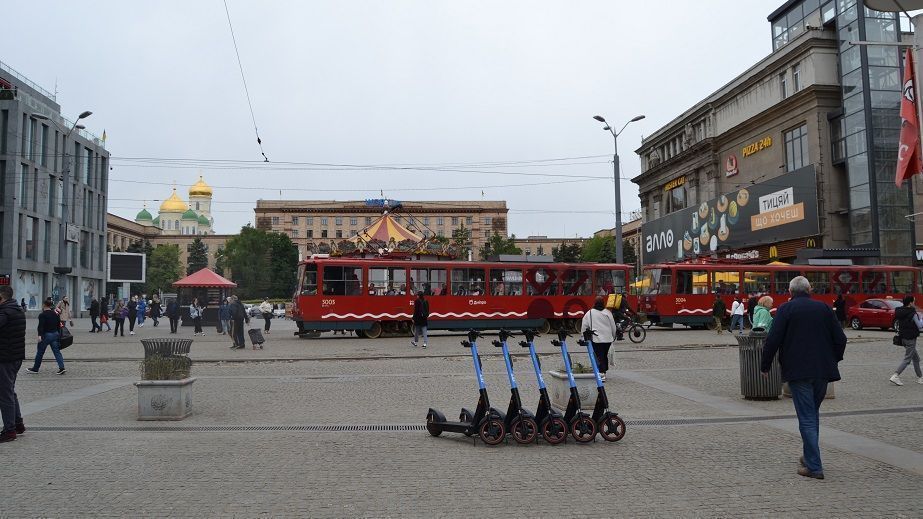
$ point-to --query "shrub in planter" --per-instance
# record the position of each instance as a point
(165, 391)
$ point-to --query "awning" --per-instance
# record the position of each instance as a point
(205, 278)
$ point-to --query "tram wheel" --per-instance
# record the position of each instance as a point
(544, 328)
(374, 332)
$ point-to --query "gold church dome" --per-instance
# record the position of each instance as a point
(173, 204)
(200, 188)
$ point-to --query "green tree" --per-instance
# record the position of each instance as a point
(498, 244)
(163, 268)
(142, 247)
(198, 256)
(567, 253)
(263, 264)
(220, 260)
(629, 254)
(599, 249)
(283, 265)
(461, 237)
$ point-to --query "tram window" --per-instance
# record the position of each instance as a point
(783, 278)
(610, 282)
(541, 282)
(656, 281)
(577, 282)
(845, 282)
(691, 282)
(757, 282)
(873, 282)
(342, 281)
(505, 282)
(725, 282)
(901, 281)
(468, 282)
(432, 282)
(820, 281)
(388, 281)
(309, 281)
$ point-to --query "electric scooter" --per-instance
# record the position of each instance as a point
(550, 422)
(519, 422)
(611, 427)
(581, 426)
(486, 422)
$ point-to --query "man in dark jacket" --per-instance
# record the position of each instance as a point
(420, 319)
(718, 311)
(238, 316)
(172, 314)
(839, 308)
(94, 315)
(751, 306)
(49, 334)
(12, 353)
(810, 343)
(908, 328)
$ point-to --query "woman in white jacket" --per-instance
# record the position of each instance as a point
(266, 310)
(738, 309)
(600, 320)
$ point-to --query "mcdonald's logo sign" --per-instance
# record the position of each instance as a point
(773, 252)
(810, 243)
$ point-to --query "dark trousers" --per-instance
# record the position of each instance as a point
(49, 339)
(267, 318)
(131, 321)
(96, 326)
(9, 402)
(119, 325)
(174, 323)
(197, 324)
(239, 333)
(601, 350)
(156, 319)
(807, 395)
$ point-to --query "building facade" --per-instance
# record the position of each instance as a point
(543, 245)
(311, 222)
(54, 178)
(809, 134)
(122, 233)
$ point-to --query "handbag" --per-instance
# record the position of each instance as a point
(66, 338)
(896, 340)
(103, 319)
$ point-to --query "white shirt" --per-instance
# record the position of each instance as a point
(602, 322)
(738, 308)
(265, 308)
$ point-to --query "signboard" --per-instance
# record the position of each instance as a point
(5, 280)
(126, 267)
(779, 209)
(730, 166)
(72, 233)
(675, 183)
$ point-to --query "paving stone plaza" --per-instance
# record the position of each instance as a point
(333, 427)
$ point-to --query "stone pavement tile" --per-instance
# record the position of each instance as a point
(31, 388)
(711, 471)
(901, 430)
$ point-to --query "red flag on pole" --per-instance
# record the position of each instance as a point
(908, 152)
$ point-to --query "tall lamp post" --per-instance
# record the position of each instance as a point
(62, 267)
(619, 258)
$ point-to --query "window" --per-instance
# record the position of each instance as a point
(429, 281)
(454, 220)
(323, 233)
(676, 199)
(29, 237)
(44, 145)
(505, 282)
(354, 232)
(873, 282)
(577, 282)
(426, 220)
(691, 282)
(309, 220)
(796, 77)
(47, 239)
(469, 220)
(901, 282)
(388, 281)
(52, 196)
(294, 233)
(368, 220)
(440, 221)
(23, 184)
(783, 87)
(657, 281)
(820, 281)
(757, 282)
(486, 233)
(353, 220)
(725, 282)
(488, 220)
(323, 221)
(783, 278)
(528, 251)
(342, 281)
(275, 220)
(338, 220)
(845, 282)
(796, 148)
(541, 281)
(607, 281)
(467, 282)
(339, 233)
(309, 280)
(310, 233)
(294, 219)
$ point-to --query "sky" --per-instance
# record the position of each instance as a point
(415, 100)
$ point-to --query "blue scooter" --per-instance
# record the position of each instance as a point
(581, 426)
(550, 422)
(519, 422)
(610, 426)
(486, 422)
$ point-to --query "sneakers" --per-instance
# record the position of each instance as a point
(20, 427)
(896, 380)
(62, 371)
(806, 472)
(131, 333)
(413, 343)
(141, 325)
(424, 345)
(602, 376)
(30, 370)
(920, 380)
(7, 436)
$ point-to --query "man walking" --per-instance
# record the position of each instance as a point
(173, 314)
(737, 315)
(718, 309)
(132, 314)
(810, 343)
(94, 315)
(12, 353)
(238, 316)
(266, 310)
(49, 334)
(224, 316)
(420, 319)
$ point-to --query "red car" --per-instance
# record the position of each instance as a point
(873, 313)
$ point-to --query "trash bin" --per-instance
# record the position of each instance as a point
(753, 386)
(173, 363)
(166, 347)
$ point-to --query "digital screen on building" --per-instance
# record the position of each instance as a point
(126, 267)
(779, 209)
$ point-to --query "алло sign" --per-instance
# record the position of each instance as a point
(779, 209)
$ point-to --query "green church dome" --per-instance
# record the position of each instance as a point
(143, 216)
(190, 215)
(203, 220)
(157, 221)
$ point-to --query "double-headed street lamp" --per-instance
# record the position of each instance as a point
(65, 172)
(619, 258)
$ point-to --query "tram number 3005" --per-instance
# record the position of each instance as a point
(328, 302)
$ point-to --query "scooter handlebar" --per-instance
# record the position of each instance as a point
(466, 344)
(497, 344)
(524, 344)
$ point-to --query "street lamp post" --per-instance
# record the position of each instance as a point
(619, 257)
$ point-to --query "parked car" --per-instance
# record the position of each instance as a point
(254, 311)
(278, 310)
(873, 313)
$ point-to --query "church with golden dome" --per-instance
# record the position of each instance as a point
(177, 217)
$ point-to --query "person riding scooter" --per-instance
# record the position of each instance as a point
(621, 311)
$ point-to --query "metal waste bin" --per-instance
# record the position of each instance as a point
(166, 347)
(174, 353)
(753, 386)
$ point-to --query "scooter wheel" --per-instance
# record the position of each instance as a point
(524, 430)
(554, 430)
(492, 431)
(612, 428)
(583, 429)
(431, 426)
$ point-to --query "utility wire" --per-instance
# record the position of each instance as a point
(256, 130)
(393, 190)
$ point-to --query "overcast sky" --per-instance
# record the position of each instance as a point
(383, 83)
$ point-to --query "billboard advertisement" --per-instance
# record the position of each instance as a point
(779, 209)
(127, 267)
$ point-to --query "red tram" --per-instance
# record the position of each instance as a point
(684, 293)
(375, 296)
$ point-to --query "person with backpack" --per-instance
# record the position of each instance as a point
(155, 310)
(908, 329)
(420, 319)
(600, 320)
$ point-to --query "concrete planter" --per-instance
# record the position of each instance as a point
(559, 387)
(164, 399)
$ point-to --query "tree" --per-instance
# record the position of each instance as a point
(498, 244)
(567, 253)
(142, 247)
(599, 249)
(263, 264)
(283, 265)
(629, 255)
(163, 268)
(198, 256)
(461, 237)
(220, 260)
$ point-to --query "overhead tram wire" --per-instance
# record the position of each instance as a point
(374, 165)
(256, 130)
(393, 190)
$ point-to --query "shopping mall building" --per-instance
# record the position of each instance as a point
(794, 159)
